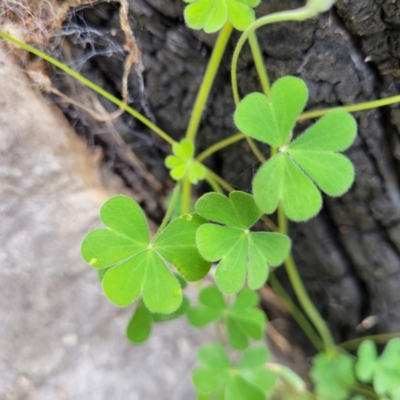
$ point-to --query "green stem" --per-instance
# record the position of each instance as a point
(307, 304)
(220, 145)
(259, 63)
(379, 339)
(91, 85)
(186, 194)
(214, 185)
(170, 209)
(219, 180)
(302, 321)
(208, 80)
(365, 391)
(352, 108)
(299, 14)
(255, 150)
(301, 291)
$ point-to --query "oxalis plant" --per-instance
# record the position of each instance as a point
(153, 271)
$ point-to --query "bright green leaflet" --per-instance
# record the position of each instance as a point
(140, 325)
(382, 371)
(291, 177)
(248, 380)
(243, 320)
(182, 163)
(367, 356)
(137, 266)
(332, 375)
(211, 15)
(242, 253)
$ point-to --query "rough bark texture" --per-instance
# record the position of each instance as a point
(348, 255)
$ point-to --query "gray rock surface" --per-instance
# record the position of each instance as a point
(59, 336)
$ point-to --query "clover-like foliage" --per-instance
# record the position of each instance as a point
(242, 253)
(182, 163)
(383, 371)
(136, 265)
(291, 177)
(243, 320)
(332, 375)
(249, 379)
(211, 15)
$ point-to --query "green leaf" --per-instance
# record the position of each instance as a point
(139, 327)
(182, 163)
(271, 120)
(213, 355)
(183, 309)
(254, 357)
(280, 180)
(312, 159)
(177, 244)
(242, 318)
(211, 15)
(314, 151)
(135, 266)
(237, 211)
(250, 380)
(332, 376)
(387, 370)
(145, 273)
(367, 356)
(239, 389)
(211, 307)
(241, 252)
(244, 321)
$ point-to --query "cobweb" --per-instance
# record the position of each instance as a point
(70, 32)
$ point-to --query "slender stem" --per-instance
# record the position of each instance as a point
(214, 185)
(220, 145)
(379, 339)
(302, 321)
(220, 181)
(170, 209)
(352, 108)
(365, 391)
(186, 195)
(299, 14)
(271, 225)
(92, 86)
(255, 150)
(307, 304)
(259, 63)
(301, 291)
(208, 80)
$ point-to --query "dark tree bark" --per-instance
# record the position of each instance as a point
(349, 256)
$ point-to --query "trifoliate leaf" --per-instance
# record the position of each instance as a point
(271, 120)
(332, 376)
(367, 356)
(243, 320)
(248, 380)
(211, 15)
(137, 266)
(387, 370)
(212, 306)
(292, 176)
(241, 252)
(182, 163)
(280, 180)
